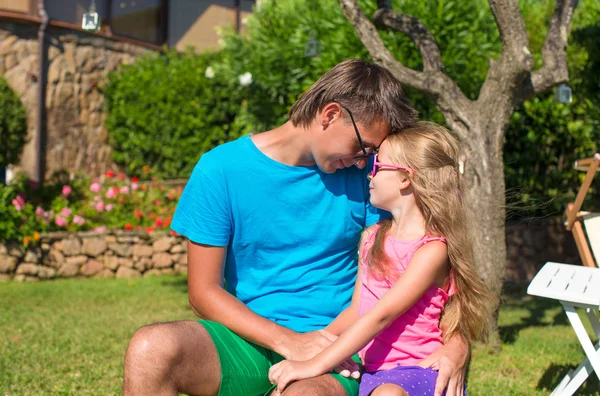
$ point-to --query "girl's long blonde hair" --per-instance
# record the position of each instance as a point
(433, 153)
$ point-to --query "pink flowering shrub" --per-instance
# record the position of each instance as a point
(74, 202)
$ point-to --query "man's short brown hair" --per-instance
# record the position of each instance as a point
(370, 91)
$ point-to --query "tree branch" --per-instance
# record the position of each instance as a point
(515, 41)
(447, 95)
(378, 51)
(416, 31)
(554, 55)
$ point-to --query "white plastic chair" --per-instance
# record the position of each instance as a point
(574, 286)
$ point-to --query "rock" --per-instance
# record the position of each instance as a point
(3, 249)
(68, 270)
(71, 247)
(181, 269)
(120, 249)
(111, 262)
(125, 272)
(143, 264)
(110, 239)
(19, 278)
(8, 264)
(45, 247)
(27, 269)
(55, 257)
(93, 246)
(58, 245)
(167, 271)
(163, 244)
(104, 274)
(31, 279)
(162, 260)
(183, 259)
(4, 277)
(46, 272)
(15, 250)
(152, 272)
(33, 255)
(77, 260)
(126, 262)
(142, 250)
(128, 239)
(92, 267)
(176, 249)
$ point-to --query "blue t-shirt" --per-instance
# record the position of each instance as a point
(291, 232)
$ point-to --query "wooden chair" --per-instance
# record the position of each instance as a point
(588, 241)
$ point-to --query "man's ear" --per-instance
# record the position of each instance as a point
(330, 112)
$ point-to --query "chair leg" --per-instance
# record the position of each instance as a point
(591, 362)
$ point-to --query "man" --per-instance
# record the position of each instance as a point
(277, 217)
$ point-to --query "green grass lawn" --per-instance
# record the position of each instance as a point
(69, 337)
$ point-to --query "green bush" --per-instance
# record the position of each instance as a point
(13, 126)
(164, 112)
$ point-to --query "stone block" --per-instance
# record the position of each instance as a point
(27, 269)
(68, 270)
(77, 260)
(125, 272)
(140, 250)
(162, 260)
(8, 264)
(163, 244)
(111, 262)
(92, 267)
(104, 274)
(46, 272)
(94, 246)
(71, 247)
(152, 272)
(120, 249)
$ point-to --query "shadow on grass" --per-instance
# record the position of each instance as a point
(555, 373)
(179, 284)
(537, 307)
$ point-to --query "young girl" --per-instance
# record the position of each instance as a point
(412, 267)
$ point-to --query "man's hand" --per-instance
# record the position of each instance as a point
(305, 346)
(451, 362)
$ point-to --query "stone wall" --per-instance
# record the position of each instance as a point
(78, 63)
(119, 254)
(532, 243)
(123, 254)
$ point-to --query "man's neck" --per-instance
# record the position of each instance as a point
(286, 144)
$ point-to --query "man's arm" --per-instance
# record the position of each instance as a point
(210, 301)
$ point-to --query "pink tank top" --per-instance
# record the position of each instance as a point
(415, 334)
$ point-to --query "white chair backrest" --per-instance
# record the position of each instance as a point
(591, 223)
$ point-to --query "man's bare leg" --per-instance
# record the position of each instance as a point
(324, 385)
(167, 358)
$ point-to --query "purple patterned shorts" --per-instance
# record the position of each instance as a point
(417, 381)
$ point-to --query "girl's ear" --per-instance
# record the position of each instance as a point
(404, 181)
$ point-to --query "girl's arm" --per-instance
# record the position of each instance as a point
(428, 264)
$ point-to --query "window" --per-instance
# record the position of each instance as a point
(139, 19)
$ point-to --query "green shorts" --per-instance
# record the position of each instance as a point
(245, 366)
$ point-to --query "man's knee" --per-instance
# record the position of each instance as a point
(324, 385)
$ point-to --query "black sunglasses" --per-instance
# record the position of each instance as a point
(366, 154)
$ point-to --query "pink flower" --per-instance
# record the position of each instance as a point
(95, 187)
(100, 206)
(97, 198)
(78, 220)
(60, 221)
(39, 211)
(66, 190)
(65, 212)
(112, 192)
(124, 190)
(99, 229)
(109, 207)
(134, 186)
(19, 202)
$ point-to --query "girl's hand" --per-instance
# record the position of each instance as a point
(287, 371)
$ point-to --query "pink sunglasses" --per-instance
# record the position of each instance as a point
(377, 165)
